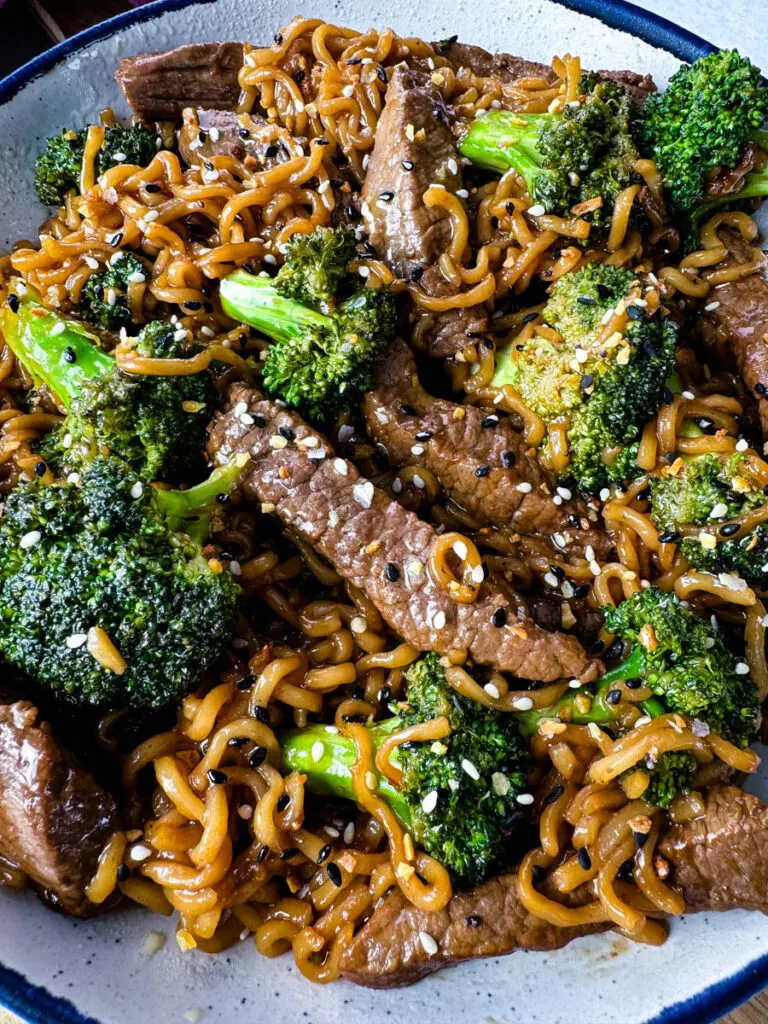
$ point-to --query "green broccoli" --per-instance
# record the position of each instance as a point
(579, 152)
(328, 331)
(607, 392)
(690, 671)
(110, 553)
(156, 424)
(104, 297)
(708, 492)
(458, 794)
(701, 123)
(57, 169)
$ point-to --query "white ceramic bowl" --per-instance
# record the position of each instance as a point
(67, 972)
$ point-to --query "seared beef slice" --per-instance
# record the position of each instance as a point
(362, 532)
(54, 818)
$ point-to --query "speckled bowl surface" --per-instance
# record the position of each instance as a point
(58, 971)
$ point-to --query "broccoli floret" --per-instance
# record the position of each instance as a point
(463, 821)
(57, 169)
(708, 484)
(328, 331)
(606, 393)
(672, 774)
(156, 424)
(702, 121)
(104, 298)
(109, 553)
(690, 669)
(567, 156)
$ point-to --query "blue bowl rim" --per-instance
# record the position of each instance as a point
(34, 1003)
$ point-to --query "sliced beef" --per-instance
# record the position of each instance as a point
(509, 69)
(54, 818)
(158, 86)
(414, 149)
(210, 133)
(718, 861)
(370, 539)
(741, 317)
(479, 459)
(489, 921)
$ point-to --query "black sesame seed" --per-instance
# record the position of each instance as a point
(243, 133)
(385, 693)
(554, 795)
(322, 142)
(353, 60)
(13, 303)
(670, 456)
(382, 74)
(473, 921)
(270, 151)
(670, 537)
(283, 802)
(494, 222)
(489, 422)
(407, 410)
(215, 777)
(557, 571)
(123, 873)
(257, 756)
(510, 208)
(69, 355)
(237, 741)
(635, 313)
(508, 459)
(325, 853)
(499, 618)
(603, 291)
(581, 590)
(613, 696)
(668, 397)
(40, 468)
(641, 838)
(289, 853)
(278, 38)
(262, 855)
(334, 873)
(152, 186)
(287, 433)
(633, 684)
(585, 861)
(424, 435)
(616, 649)
(482, 471)
(391, 573)
(624, 874)
(300, 75)
(530, 317)
(387, 196)
(407, 165)
(587, 381)
(725, 531)
(193, 304)
(574, 521)
(417, 273)
(586, 300)
(760, 388)
(538, 874)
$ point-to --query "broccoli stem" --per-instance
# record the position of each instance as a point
(330, 774)
(255, 301)
(500, 140)
(61, 357)
(755, 187)
(184, 509)
(600, 710)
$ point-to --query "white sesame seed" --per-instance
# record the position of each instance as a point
(397, 485)
(537, 210)
(73, 478)
(589, 553)
(341, 467)
(492, 690)
(699, 728)
(333, 515)
(111, 297)
(277, 441)
(712, 306)
(119, 158)
(358, 624)
(478, 574)
(462, 193)
(460, 548)
(76, 640)
(363, 493)
(58, 328)
(348, 91)
(643, 720)
(419, 481)
(140, 853)
(317, 751)
(594, 567)
(688, 395)
(417, 449)
(240, 408)
(136, 277)
(524, 487)
(550, 579)
(605, 494)
(428, 943)
(470, 769)
(247, 420)
(438, 620)
(370, 780)
(524, 799)
(557, 500)
(574, 684)
(331, 831)
(429, 803)
(30, 539)
(316, 454)
(564, 493)
(137, 490)
(720, 510)
(309, 442)
(742, 445)
(453, 167)
(235, 568)
(349, 833)
(522, 703)
(742, 668)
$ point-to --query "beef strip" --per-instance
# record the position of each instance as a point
(459, 451)
(54, 818)
(741, 317)
(363, 533)
(211, 133)
(509, 69)
(718, 861)
(414, 149)
(158, 86)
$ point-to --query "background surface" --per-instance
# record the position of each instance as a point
(28, 27)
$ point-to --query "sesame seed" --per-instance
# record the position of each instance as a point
(358, 624)
(140, 852)
(216, 777)
(349, 833)
(363, 493)
(524, 799)
(438, 620)
(278, 442)
(318, 750)
(742, 668)
(482, 471)
(742, 445)
(417, 449)
(522, 703)
(370, 780)
(76, 640)
(492, 690)
(341, 467)
(30, 539)
(525, 487)
(470, 769)
(537, 210)
(460, 549)
(428, 943)
(499, 618)
(720, 510)
(712, 306)
(429, 803)
(245, 811)
(564, 493)
(508, 459)
(391, 573)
